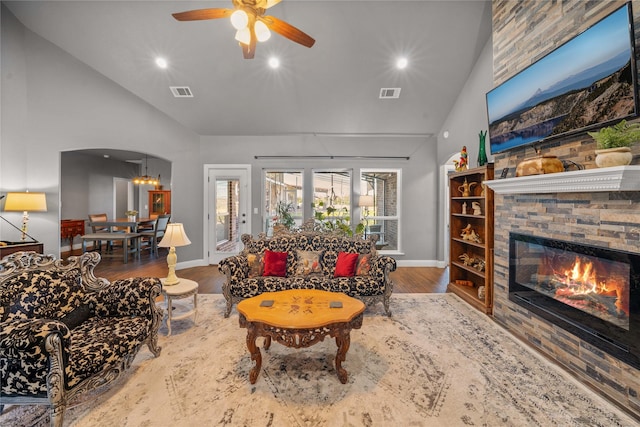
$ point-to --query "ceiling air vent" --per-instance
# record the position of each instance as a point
(181, 91)
(389, 92)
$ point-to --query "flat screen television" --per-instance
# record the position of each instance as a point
(585, 83)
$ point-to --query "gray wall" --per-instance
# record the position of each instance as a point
(51, 102)
(469, 113)
(464, 122)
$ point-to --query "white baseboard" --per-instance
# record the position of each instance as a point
(192, 263)
(421, 263)
(66, 248)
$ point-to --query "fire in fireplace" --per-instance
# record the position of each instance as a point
(592, 292)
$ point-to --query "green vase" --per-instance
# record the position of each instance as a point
(482, 151)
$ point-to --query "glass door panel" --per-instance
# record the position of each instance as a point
(228, 208)
(227, 237)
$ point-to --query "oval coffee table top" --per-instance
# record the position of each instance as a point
(300, 308)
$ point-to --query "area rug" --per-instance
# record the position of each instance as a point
(436, 362)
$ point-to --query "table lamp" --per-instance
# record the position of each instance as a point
(25, 202)
(174, 236)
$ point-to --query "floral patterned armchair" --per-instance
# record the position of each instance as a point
(64, 332)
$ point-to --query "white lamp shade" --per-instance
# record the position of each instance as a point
(23, 202)
(366, 201)
(174, 236)
(239, 19)
(262, 31)
(244, 36)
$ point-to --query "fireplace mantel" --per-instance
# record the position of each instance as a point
(618, 178)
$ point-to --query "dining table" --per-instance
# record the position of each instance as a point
(121, 229)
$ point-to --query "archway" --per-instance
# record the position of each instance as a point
(100, 181)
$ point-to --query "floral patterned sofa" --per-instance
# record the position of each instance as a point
(308, 260)
(64, 332)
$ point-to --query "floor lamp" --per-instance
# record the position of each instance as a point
(25, 202)
(174, 236)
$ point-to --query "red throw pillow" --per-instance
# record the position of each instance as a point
(346, 264)
(275, 264)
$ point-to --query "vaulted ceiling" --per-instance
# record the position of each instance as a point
(331, 88)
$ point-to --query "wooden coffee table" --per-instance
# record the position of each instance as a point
(300, 318)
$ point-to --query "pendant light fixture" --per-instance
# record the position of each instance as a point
(145, 179)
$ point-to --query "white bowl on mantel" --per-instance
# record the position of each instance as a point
(620, 156)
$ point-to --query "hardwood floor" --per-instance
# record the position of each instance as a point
(210, 280)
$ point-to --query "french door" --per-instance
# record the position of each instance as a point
(228, 216)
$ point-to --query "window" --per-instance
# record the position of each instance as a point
(379, 202)
(332, 198)
(283, 199)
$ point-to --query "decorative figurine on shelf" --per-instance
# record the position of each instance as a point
(464, 208)
(463, 163)
(464, 283)
(477, 263)
(466, 259)
(482, 152)
(466, 188)
(483, 188)
(476, 208)
(481, 292)
(470, 235)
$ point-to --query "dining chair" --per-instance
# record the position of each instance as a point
(100, 218)
(152, 237)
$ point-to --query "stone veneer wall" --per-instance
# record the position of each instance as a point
(523, 32)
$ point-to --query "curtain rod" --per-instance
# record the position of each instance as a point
(333, 157)
(341, 134)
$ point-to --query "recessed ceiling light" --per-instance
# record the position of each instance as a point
(445, 134)
(274, 62)
(402, 63)
(161, 62)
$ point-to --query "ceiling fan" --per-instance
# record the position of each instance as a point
(252, 25)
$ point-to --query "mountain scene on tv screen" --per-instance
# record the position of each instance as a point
(577, 102)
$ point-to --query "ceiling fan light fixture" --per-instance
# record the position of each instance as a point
(239, 19)
(243, 17)
(244, 36)
(262, 31)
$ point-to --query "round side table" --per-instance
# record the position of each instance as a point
(185, 289)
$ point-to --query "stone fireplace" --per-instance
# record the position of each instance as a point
(592, 207)
(595, 210)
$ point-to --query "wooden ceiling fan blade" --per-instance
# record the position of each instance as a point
(201, 14)
(289, 31)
